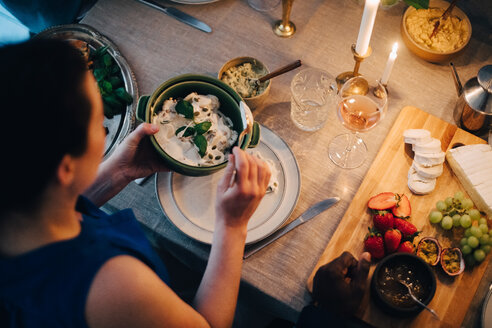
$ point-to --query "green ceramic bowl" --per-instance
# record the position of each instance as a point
(180, 87)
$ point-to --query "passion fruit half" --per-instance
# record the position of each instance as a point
(452, 261)
(429, 250)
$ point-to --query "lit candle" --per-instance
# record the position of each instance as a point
(389, 64)
(366, 25)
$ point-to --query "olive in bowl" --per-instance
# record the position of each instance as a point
(391, 296)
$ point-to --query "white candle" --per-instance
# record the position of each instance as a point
(366, 25)
(389, 64)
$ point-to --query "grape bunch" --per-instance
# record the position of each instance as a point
(458, 211)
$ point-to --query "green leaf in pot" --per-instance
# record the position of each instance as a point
(203, 127)
(115, 69)
(123, 95)
(418, 4)
(106, 86)
(109, 112)
(184, 108)
(189, 131)
(100, 74)
(113, 102)
(201, 143)
(107, 60)
(100, 52)
(115, 81)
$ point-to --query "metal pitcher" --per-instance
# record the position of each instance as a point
(473, 110)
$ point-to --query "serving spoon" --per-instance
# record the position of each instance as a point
(417, 300)
(445, 15)
(277, 72)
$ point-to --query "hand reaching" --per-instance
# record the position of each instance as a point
(239, 194)
(340, 284)
(135, 157)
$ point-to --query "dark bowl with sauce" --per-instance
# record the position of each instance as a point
(391, 296)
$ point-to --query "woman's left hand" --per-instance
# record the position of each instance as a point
(135, 156)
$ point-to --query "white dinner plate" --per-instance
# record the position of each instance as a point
(188, 202)
(194, 2)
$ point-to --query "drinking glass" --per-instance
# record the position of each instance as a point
(313, 93)
(263, 5)
(362, 104)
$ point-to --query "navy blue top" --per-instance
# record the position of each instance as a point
(48, 287)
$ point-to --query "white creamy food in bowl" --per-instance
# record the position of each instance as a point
(194, 131)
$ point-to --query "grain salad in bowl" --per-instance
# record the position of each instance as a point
(194, 131)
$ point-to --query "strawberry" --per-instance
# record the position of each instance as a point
(383, 220)
(407, 229)
(374, 244)
(382, 201)
(392, 240)
(405, 247)
(402, 209)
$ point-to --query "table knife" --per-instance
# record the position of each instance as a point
(179, 15)
(304, 217)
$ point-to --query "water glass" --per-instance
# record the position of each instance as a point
(313, 94)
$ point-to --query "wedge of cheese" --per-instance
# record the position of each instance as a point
(472, 165)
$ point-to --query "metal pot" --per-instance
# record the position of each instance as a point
(473, 110)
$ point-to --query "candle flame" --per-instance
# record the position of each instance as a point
(395, 47)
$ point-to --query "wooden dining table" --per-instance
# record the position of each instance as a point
(158, 47)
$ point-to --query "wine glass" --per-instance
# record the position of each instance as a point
(263, 5)
(362, 103)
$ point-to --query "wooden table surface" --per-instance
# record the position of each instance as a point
(158, 47)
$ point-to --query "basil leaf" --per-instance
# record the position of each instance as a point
(115, 81)
(189, 131)
(123, 95)
(203, 127)
(101, 51)
(100, 74)
(201, 143)
(115, 69)
(107, 60)
(106, 86)
(419, 4)
(185, 108)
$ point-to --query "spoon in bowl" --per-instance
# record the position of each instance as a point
(277, 72)
(417, 300)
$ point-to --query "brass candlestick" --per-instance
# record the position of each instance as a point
(285, 28)
(379, 92)
(345, 76)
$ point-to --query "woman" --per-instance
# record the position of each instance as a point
(66, 263)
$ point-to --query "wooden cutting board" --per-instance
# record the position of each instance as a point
(389, 173)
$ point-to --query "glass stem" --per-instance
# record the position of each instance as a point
(350, 146)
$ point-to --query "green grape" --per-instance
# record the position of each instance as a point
(464, 241)
(467, 203)
(449, 201)
(484, 239)
(466, 249)
(484, 228)
(441, 206)
(467, 233)
(479, 255)
(435, 217)
(470, 259)
(475, 231)
(456, 220)
(485, 248)
(465, 221)
(473, 242)
(474, 214)
(447, 223)
(459, 196)
(482, 221)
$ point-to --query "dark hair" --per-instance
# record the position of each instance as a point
(45, 114)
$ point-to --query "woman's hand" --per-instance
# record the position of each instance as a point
(241, 189)
(135, 157)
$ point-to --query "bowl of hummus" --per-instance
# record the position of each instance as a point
(200, 119)
(241, 74)
(451, 38)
